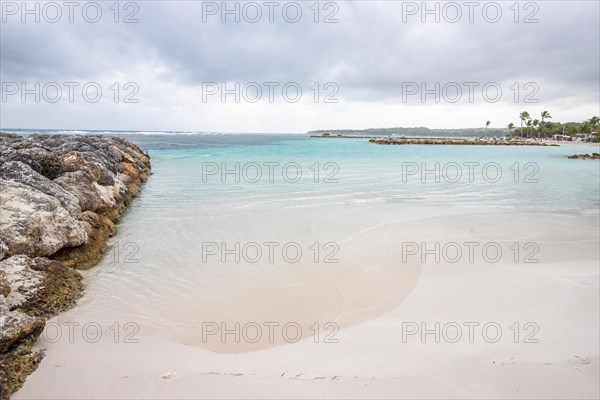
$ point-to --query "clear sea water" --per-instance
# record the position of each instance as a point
(246, 170)
(367, 200)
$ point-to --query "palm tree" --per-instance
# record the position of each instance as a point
(510, 127)
(528, 124)
(486, 126)
(571, 130)
(536, 123)
(585, 126)
(594, 122)
(523, 116)
(545, 115)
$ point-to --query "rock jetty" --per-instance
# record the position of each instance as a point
(453, 141)
(593, 156)
(60, 197)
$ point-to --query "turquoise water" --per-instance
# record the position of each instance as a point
(354, 170)
(297, 170)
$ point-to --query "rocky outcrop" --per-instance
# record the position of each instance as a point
(466, 142)
(18, 332)
(593, 156)
(23, 173)
(4, 284)
(34, 223)
(60, 197)
(39, 286)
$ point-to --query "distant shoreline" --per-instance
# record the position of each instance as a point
(454, 141)
(442, 141)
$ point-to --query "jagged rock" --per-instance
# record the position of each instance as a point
(6, 152)
(3, 248)
(99, 228)
(24, 281)
(34, 223)
(88, 162)
(81, 184)
(10, 153)
(39, 159)
(17, 327)
(49, 164)
(15, 367)
(40, 286)
(21, 172)
(8, 136)
(18, 332)
(4, 284)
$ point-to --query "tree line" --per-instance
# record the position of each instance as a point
(543, 127)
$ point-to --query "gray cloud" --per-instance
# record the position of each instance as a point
(369, 53)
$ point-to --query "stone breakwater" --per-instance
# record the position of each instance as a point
(60, 197)
(593, 156)
(468, 142)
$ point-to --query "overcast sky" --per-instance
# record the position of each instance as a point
(373, 58)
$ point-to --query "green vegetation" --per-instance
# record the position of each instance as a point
(529, 128)
(417, 131)
(542, 128)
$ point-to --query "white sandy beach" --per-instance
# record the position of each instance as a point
(559, 295)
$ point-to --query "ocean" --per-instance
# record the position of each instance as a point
(294, 170)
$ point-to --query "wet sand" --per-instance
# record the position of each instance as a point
(372, 295)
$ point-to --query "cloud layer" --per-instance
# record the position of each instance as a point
(373, 56)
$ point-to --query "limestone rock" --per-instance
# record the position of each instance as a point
(18, 332)
(4, 284)
(99, 228)
(90, 163)
(23, 173)
(3, 246)
(34, 223)
(24, 282)
(81, 184)
(39, 159)
(40, 286)
(60, 196)
(17, 327)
